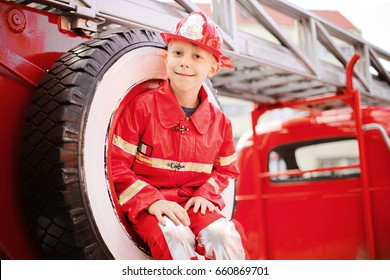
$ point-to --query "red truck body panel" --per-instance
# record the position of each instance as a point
(30, 43)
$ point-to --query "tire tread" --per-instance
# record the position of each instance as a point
(52, 182)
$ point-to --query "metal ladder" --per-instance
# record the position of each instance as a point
(281, 70)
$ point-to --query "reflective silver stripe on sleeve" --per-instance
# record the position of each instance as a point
(223, 161)
(124, 145)
(132, 190)
(212, 182)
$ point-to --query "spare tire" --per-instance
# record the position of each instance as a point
(69, 197)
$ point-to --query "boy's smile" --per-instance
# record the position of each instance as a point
(184, 75)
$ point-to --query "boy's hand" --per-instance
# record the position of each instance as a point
(172, 210)
(201, 203)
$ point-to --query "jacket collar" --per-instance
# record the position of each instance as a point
(170, 112)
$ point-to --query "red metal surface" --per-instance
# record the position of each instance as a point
(301, 172)
(356, 106)
(315, 219)
(254, 182)
(364, 175)
(20, 67)
(30, 42)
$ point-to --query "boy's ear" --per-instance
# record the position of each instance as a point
(166, 57)
(213, 70)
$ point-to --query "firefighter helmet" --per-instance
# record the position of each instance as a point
(196, 29)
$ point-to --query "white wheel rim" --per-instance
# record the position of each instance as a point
(122, 74)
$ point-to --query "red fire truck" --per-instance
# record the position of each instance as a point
(312, 187)
(318, 183)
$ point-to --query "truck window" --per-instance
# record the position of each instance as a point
(314, 160)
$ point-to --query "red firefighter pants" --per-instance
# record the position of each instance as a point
(209, 236)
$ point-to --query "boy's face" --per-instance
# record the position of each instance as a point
(188, 65)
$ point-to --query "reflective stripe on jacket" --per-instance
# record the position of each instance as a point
(159, 153)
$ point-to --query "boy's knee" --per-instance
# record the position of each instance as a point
(180, 240)
(174, 233)
(220, 230)
(221, 240)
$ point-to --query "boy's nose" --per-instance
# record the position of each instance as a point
(184, 62)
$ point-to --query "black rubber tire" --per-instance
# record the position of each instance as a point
(52, 157)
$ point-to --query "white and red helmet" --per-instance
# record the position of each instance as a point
(195, 29)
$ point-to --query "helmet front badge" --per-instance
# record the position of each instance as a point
(192, 28)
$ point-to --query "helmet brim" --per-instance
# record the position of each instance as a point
(223, 61)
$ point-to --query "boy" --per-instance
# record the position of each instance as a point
(173, 153)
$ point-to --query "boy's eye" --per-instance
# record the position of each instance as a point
(177, 52)
(197, 56)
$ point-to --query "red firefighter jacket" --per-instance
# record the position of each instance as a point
(159, 153)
